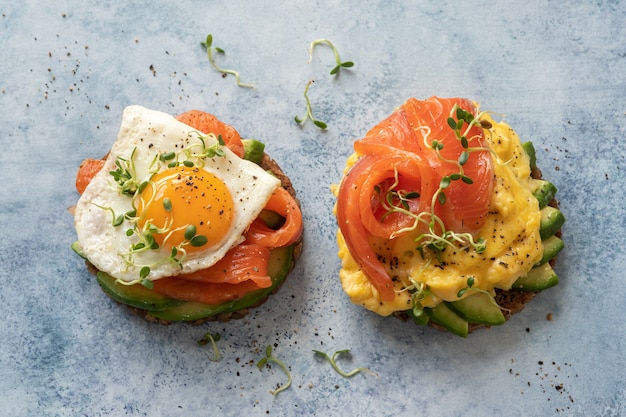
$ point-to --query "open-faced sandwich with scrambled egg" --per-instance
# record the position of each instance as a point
(185, 221)
(443, 217)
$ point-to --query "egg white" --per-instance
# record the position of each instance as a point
(149, 133)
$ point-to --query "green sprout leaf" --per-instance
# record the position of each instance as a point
(147, 283)
(467, 180)
(144, 272)
(320, 124)
(118, 220)
(198, 240)
(463, 158)
(190, 232)
(125, 175)
(167, 204)
(167, 156)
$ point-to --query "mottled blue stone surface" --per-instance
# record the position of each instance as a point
(555, 69)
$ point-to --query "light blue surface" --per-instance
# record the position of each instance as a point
(556, 69)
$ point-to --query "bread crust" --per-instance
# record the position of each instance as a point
(270, 165)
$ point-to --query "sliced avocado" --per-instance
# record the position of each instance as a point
(278, 268)
(272, 219)
(444, 316)
(539, 278)
(78, 249)
(551, 247)
(253, 150)
(134, 295)
(544, 191)
(479, 308)
(529, 148)
(551, 220)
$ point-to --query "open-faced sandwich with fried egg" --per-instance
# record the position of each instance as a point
(443, 217)
(185, 221)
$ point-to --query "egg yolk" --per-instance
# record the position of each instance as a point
(180, 197)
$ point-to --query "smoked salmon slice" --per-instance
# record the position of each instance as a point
(466, 205)
(207, 123)
(412, 151)
(244, 262)
(87, 170)
(202, 292)
(282, 203)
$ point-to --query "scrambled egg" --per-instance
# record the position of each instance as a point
(511, 233)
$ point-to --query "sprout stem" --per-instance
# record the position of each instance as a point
(208, 45)
(333, 363)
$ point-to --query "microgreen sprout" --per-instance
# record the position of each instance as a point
(333, 363)
(211, 338)
(195, 153)
(216, 149)
(143, 279)
(419, 291)
(464, 122)
(270, 358)
(125, 175)
(147, 242)
(117, 220)
(470, 287)
(340, 63)
(396, 198)
(208, 44)
(143, 275)
(309, 111)
(193, 238)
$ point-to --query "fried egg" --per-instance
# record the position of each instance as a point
(169, 200)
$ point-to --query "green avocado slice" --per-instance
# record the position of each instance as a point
(538, 279)
(444, 316)
(134, 295)
(551, 221)
(479, 308)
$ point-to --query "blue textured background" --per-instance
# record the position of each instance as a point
(555, 69)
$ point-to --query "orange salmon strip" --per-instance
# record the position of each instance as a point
(202, 292)
(284, 204)
(354, 232)
(207, 123)
(242, 263)
(87, 170)
(402, 144)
